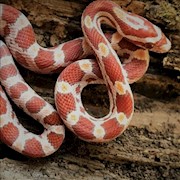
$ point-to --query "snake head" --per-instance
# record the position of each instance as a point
(161, 46)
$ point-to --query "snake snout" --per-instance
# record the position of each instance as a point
(162, 46)
(165, 47)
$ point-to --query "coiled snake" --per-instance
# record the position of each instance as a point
(135, 36)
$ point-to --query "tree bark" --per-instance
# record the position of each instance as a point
(149, 148)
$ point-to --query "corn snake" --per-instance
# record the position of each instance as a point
(135, 36)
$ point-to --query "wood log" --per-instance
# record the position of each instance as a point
(150, 147)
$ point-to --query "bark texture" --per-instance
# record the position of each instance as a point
(150, 147)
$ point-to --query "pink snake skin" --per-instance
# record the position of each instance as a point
(135, 36)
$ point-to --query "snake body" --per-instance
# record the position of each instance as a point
(134, 37)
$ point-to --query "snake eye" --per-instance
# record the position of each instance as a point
(149, 45)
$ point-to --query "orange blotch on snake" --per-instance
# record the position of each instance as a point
(35, 104)
(53, 119)
(84, 128)
(8, 71)
(17, 89)
(112, 128)
(9, 133)
(72, 74)
(3, 106)
(25, 37)
(124, 104)
(33, 148)
(10, 14)
(65, 103)
(75, 47)
(55, 139)
(44, 59)
(115, 75)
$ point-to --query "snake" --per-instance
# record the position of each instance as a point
(117, 60)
